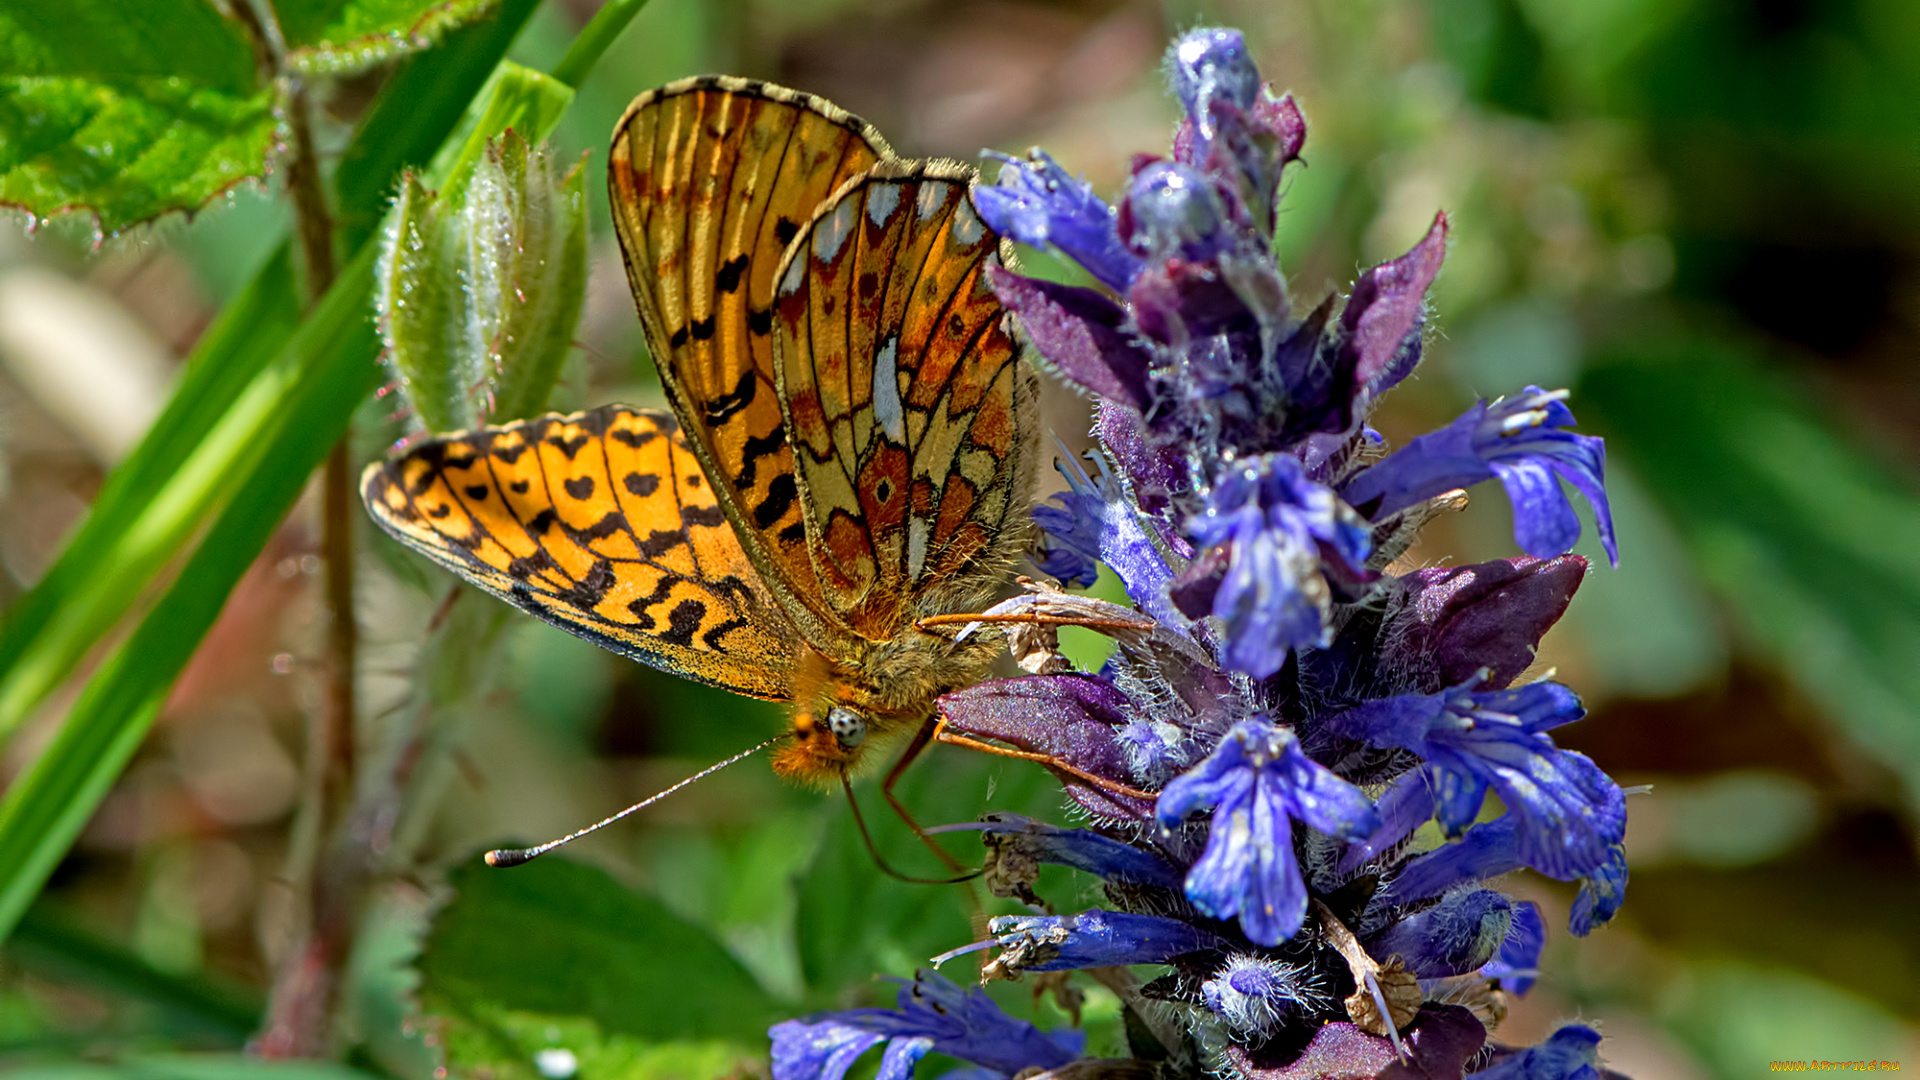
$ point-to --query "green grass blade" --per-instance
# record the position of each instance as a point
(595, 39)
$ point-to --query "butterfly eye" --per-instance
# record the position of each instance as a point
(849, 727)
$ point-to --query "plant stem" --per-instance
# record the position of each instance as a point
(299, 1019)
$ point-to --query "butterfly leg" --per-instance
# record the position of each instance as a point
(921, 740)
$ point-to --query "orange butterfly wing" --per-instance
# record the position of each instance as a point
(602, 524)
(710, 179)
(910, 413)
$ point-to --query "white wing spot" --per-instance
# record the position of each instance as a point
(933, 198)
(967, 227)
(830, 233)
(918, 529)
(882, 201)
(886, 392)
(795, 275)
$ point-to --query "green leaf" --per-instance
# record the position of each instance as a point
(557, 938)
(1804, 536)
(345, 37)
(129, 111)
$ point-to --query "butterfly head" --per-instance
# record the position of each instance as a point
(827, 742)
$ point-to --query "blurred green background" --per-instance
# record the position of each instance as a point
(1703, 216)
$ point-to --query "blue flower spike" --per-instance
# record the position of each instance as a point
(1255, 765)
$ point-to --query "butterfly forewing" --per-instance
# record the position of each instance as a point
(601, 523)
(908, 410)
(711, 179)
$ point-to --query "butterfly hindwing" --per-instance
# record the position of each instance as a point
(908, 408)
(601, 523)
(711, 178)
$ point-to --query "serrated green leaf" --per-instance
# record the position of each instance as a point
(1805, 537)
(126, 111)
(345, 37)
(559, 938)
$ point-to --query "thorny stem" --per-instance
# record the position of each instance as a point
(299, 1021)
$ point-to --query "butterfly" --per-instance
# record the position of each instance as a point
(851, 447)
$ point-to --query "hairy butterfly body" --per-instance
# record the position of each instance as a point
(852, 441)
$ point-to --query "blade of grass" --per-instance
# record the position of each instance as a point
(304, 401)
(595, 39)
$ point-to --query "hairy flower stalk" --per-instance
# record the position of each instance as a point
(1257, 761)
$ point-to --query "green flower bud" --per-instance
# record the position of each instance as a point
(480, 288)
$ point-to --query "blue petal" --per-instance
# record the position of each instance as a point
(1095, 938)
(1568, 1054)
(1212, 65)
(1458, 791)
(1600, 895)
(1173, 211)
(1037, 202)
(1544, 523)
(1313, 793)
(1096, 521)
(1224, 776)
(818, 1051)
(1256, 780)
(1282, 533)
(1460, 933)
(1407, 804)
(897, 1063)
(1082, 849)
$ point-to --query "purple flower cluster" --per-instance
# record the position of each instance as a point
(1259, 770)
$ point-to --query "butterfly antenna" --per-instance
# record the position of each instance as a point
(516, 856)
(875, 851)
